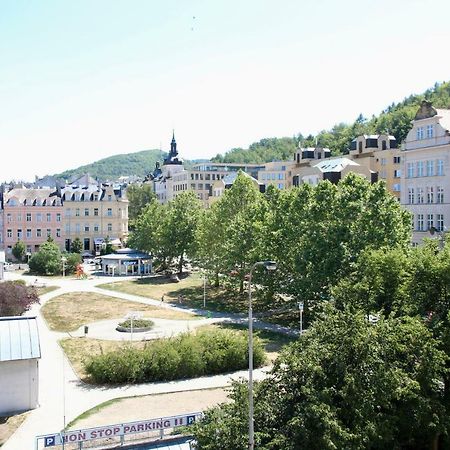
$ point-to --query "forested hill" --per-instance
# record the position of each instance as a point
(395, 120)
(138, 163)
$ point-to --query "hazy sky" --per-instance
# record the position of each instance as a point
(82, 80)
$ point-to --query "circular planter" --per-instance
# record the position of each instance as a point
(135, 330)
(125, 327)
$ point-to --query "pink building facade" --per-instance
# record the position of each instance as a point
(31, 216)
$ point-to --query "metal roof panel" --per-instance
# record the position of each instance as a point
(19, 338)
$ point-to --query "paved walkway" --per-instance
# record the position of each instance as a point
(63, 396)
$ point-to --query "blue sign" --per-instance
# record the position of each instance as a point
(50, 441)
(190, 420)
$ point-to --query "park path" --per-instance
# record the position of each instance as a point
(63, 396)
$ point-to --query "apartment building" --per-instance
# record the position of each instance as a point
(379, 153)
(31, 216)
(426, 167)
(94, 212)
(277, 173)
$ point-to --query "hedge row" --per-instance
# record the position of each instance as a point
(185, 356)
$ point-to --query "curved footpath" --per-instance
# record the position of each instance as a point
(63, 396)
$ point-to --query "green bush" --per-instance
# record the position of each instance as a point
(184, 356)
(72, 261)
(137, 323)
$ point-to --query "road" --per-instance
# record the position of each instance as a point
(63, 396)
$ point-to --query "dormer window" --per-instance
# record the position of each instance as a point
(430, 131)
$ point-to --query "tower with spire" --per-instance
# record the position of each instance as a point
(172, 157)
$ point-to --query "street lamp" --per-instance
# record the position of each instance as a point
(63, 260)
(268, 265)
(300, 308)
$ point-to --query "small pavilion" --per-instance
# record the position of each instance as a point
(127, 261)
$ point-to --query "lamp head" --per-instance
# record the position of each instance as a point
(270, 265)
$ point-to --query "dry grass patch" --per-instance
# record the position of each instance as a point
(70, 311)
(46, 289)
(154, 287)
(78, 350)
(8, 425)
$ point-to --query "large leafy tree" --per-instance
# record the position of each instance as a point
(347, 384)
(47, 260)
(317, 233)
(139, 196)
(16, 298)
(19, 250)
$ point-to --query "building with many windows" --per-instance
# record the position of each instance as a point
(94, 212)
(426, 168)
(31, 216)
(380, 154)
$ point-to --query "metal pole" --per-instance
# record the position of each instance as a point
(251, 430)
(204, 291)
(131, 337)
(301, 322)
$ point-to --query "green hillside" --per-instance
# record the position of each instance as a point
(138, 163)
(395, 120)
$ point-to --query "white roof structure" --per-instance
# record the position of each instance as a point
(19, 338)
(335, 164)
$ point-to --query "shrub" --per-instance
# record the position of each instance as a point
(16, 298)
(47, 260)
(72, 261)
(184, 356)
(138, 323)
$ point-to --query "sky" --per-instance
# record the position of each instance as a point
(80, 81)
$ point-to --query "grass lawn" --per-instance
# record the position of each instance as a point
(70, 311)
(8, 425)
(78, 350)
(45, 290)
(191, 288)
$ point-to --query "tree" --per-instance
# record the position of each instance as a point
(139, 196)
(72, 261)
(16, 298)
(47, 260)
(76, 246)
(19, 250)
(317, 234)
(178, 229)
(347, 384)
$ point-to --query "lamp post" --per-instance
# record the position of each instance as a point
(204, 290)
(268, 265)
(300, 308)
(63, 260)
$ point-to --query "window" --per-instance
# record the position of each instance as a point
(280, 185)
(96, 227)
(396, 159)
(419, 195)
(86, 211)
(420, 222)
(19, 217)
(280, 176)
(67, 228)
(430, 194)
(77, 228)
(8, 218)
(109, 198)
(39, 217)
(95, 211)
(419, 133)
(49, 232)
(38, 232)
(274, 176)
(95, 197)
(77, 212)
(109, 226)
(420, 168)
(440, 194)
(396, 187)
(430, 222)
(430, 168)
(440, 222)
(28, 248)
(383, 174)
(397, 173)
(68, 212)
(430, 131)
(9, 233)
(410, 196)
(383, 161)
(87, 244)
(383, 145)
(49, 217)
(359, 147)
(86, 228)
(28, 217)
(58, 217)
(28, 233)
(109, 212)
(410, 170)
(200, 186)
(440, 167)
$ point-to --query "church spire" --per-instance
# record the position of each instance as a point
(173, 145)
